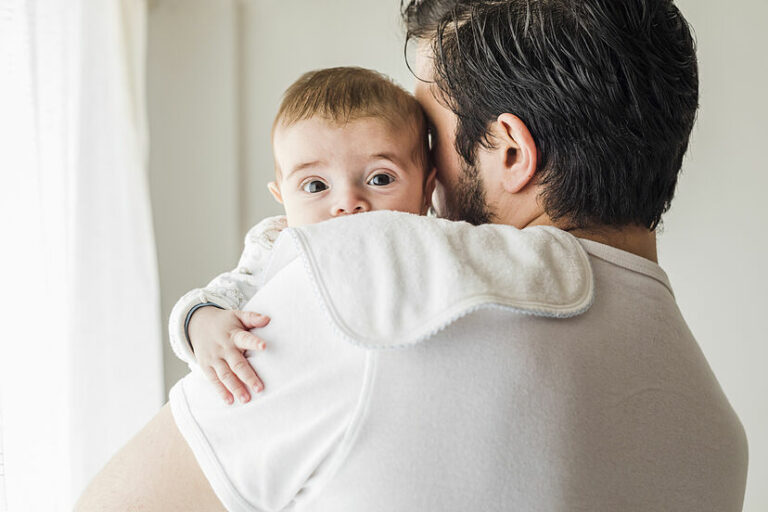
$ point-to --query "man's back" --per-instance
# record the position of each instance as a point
(616, 409)
(498, 409)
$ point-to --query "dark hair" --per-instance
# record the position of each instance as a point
(422, 17)
(343, 94)
(608, 89)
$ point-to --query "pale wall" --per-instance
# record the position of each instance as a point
(715, 240)
(193, 164)
(210, 133)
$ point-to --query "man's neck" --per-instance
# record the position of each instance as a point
(634, 239)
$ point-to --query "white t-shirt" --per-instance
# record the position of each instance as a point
(570, 385)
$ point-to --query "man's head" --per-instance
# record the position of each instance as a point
(349, 140)
(579, 110)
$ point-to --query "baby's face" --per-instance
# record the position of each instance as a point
(327, 170)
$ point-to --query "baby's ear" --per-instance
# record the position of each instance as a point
(429, 188)
(275, 191)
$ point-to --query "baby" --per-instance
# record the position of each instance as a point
(345, 140)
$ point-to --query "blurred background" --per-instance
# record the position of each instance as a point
(200, 85)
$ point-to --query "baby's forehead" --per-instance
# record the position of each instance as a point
(363, 137)
(390, 125)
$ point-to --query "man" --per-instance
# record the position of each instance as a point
(569, 114)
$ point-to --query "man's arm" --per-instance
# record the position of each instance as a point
(154, 471)
(258, 455)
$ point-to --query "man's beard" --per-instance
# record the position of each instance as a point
(467, 201)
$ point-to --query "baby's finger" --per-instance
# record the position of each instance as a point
(210, 374)
(245, 340)
(243, 369)
(251, 319)
(230, 381)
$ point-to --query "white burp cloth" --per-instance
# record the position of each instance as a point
(419, 274)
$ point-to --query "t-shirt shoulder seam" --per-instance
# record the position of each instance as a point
(628, 261)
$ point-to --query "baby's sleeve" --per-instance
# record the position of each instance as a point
(230, 290)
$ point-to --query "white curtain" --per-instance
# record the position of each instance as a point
(80, 342)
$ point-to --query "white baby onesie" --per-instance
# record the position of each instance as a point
(230, 290)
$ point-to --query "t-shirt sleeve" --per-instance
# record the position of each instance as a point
(285, 442)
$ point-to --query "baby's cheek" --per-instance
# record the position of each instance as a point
(413, 202)
(303, 214)
(295, 214)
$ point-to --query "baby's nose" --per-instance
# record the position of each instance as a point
(350, 203)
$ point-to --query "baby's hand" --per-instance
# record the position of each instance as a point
(219, 337)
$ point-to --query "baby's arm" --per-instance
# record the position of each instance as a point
(220, 334)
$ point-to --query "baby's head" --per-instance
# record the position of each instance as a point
(348, 140)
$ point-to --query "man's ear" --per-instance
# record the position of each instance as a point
(429, 188)
(275, 191)
(517, 150)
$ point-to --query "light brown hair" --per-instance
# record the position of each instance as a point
(344, 94)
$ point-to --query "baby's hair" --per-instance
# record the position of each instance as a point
(346, 94)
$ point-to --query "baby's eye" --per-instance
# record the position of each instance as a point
(381, 180)
(314, 186)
